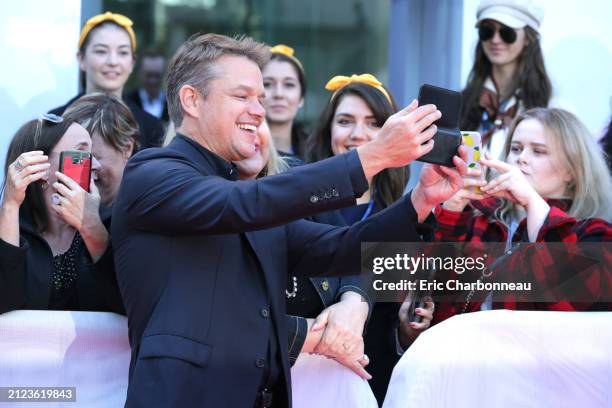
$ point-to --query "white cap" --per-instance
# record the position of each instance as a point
(513, 13)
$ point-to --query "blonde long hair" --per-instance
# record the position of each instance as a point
(276, 163)
(590, 191)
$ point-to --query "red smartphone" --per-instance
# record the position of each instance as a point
(77, 166)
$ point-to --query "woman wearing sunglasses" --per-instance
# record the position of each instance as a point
(508, 75)
(107, 53)
(54, 247)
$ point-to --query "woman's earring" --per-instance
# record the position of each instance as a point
(44, 184)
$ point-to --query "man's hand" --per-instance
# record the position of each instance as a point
(437, 184)
(80, 209)
(342, 325)
(470, 192)
(404, 137)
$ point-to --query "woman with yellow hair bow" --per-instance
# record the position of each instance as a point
(107, 53)
(357, 109)
(285, 85)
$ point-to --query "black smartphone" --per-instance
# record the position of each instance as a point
(420, 297)
(448, 137)
(77, 166)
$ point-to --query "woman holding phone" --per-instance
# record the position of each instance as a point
(508, 75)
(107, 53)
(114, 135)
(53, 243)
(553, 186)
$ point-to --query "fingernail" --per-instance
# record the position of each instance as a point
(57, 173)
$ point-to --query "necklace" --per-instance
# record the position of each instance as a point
(293, 293)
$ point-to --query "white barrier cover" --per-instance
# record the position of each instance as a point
(86, 350)
(318, 381)
(508, 359)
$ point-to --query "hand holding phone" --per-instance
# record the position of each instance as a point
(448, 137)
(77, 166)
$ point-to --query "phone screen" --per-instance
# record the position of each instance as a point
(77, 166)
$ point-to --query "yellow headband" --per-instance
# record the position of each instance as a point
(119, 19)
(340, 81)
(288, 52)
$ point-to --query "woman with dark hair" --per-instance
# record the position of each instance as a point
(107, 53)
(53, 245)
(114, 134)
(285, 86)
(357, 109)
(339, 131)
(508, 75)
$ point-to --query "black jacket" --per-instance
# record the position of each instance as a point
(25, 276)
(134, 97)
(202, 263)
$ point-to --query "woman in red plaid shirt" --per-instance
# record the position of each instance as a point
(554, 186)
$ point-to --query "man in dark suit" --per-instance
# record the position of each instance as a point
(202, 259)
(150, 97)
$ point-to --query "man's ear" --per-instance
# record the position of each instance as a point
(190, 100)
(128, 150)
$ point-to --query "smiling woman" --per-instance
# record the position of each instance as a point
(107, 47)
(357, 109)
(285, 85)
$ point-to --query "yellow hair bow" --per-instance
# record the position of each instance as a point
(288, 52)
(340, 81)
(119, 19)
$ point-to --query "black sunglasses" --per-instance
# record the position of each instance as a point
(486, 31)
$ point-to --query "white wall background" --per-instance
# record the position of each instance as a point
(38, 42)
(577, 43)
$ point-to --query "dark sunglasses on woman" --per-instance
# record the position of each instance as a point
(486, 31)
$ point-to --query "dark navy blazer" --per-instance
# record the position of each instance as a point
(198, 315)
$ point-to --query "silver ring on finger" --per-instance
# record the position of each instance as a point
(18, 166)
(55, 199)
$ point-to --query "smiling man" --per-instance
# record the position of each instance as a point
(202, 258)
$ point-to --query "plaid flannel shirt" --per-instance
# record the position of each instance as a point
(476, 224)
